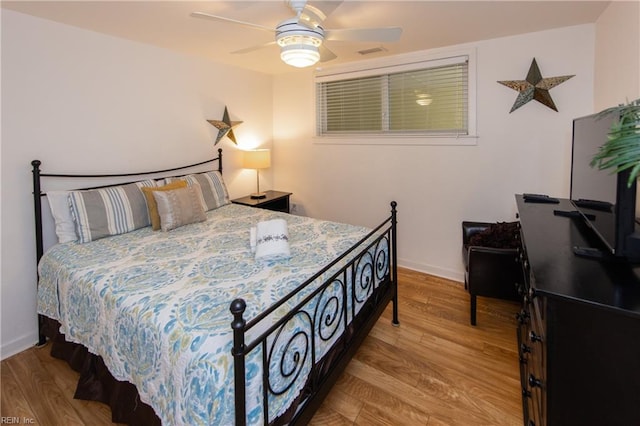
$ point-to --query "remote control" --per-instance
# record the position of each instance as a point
(539, 198)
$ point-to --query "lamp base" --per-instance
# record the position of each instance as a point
(258, 195)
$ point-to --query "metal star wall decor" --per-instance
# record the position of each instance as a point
(225, 127)
(534, 87)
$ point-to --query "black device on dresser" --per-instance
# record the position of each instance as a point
(605, 200)
(579, 328)
(273, 200)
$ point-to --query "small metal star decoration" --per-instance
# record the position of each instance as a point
(534, 87)
(225, 127)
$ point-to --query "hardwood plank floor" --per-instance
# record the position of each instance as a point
(435, 369)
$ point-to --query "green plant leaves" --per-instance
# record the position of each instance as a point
(622, 149)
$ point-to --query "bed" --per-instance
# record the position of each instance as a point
(243, 315)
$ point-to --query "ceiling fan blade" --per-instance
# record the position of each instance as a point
(388, 34)
(326, 54)
(253, 48)
(204, 15)
(312, 16)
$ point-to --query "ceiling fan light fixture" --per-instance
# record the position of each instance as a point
(299, 50)
(299, 55)
(299, 45)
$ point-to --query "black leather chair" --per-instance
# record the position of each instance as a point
(489, 272)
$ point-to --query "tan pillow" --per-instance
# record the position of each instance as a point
(179, 207)
(151, 202)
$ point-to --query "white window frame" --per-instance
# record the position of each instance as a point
(401, 63)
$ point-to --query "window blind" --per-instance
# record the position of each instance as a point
(432, 99)
(353, 105)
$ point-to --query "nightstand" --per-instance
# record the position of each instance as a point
(275, 200)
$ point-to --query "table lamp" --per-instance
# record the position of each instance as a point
(257, 159)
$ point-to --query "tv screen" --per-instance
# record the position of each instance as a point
(590, 183)
(603, 198)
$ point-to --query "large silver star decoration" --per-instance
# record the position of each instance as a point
(225, 127)
(534, 87)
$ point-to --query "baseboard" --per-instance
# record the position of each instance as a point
(449, 274)
(18, 345)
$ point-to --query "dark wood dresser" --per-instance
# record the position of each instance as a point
(579, 328)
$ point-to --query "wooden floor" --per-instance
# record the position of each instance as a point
(435, 369)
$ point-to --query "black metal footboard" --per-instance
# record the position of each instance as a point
(303, 353)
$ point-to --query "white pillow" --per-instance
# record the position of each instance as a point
(65, 227)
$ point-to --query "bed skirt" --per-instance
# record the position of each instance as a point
(96, 382)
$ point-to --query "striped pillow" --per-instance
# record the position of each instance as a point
(99, 213)
(213, 188)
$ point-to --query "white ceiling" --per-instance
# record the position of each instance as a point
(425, 24)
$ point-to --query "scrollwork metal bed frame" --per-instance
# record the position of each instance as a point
(365, 285)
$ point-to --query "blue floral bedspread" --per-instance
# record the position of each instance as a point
(155, 305)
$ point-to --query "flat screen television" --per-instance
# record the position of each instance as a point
(603, 199)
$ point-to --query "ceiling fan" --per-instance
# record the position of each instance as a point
(301, 39)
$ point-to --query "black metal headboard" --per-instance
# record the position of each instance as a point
(38, 194)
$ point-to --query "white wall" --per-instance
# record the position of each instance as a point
(617, 61)
(85, 102)
(437, 187)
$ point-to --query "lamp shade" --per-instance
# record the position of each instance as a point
(257, 159)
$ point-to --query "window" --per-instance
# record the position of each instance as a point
(424, 98)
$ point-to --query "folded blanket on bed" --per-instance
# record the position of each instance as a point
(271, 240)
